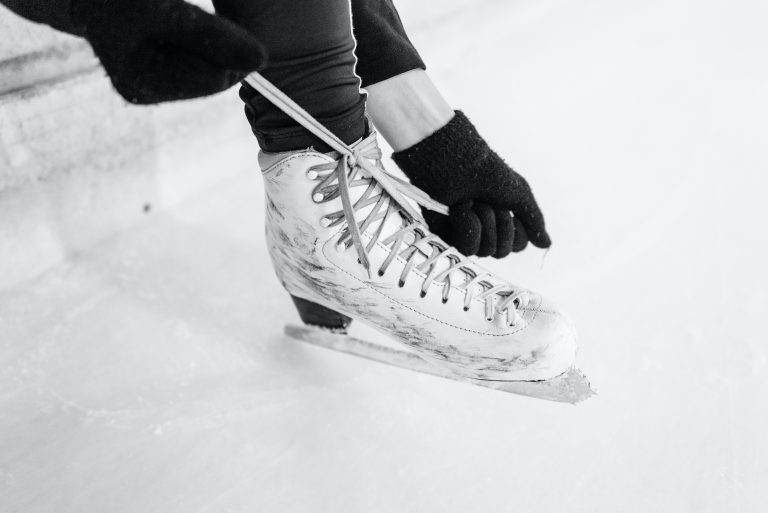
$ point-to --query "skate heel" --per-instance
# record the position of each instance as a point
(318, 315)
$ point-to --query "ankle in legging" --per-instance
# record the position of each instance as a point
(310, 57)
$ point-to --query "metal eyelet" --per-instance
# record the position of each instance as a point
(312, 174)
(317, 197)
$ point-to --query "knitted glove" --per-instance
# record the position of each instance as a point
(164, 50)
(456, 167)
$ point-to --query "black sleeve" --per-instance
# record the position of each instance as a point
(383, 48)
(55, 13)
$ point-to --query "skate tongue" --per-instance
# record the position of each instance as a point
(391, 194)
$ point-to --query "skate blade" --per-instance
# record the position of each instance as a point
(570, 387)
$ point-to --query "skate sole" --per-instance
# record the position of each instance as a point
(570, 387)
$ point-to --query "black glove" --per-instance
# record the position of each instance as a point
(163, 50)
(456, 167)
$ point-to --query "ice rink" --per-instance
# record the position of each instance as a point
(152, 374)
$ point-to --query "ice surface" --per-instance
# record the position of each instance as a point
(153, 375)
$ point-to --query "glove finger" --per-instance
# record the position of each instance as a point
(533, 220)
(487, 218)
(505, 233)
(529, 214)
(466, 228)
(192, 77)
(151, 74)
(208, 36)
(521, 236)
(439, 224)
(518, 197)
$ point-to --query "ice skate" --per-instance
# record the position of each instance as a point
(347, 242)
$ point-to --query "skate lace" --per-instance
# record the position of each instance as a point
(360, 166)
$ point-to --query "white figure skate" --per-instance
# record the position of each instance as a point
(347, 243)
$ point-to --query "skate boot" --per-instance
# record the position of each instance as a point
(347, 241)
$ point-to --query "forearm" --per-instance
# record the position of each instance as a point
(407, 108)
(403, 102)
(55, 13)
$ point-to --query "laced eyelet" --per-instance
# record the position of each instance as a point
(364, 168)
(422, 294)
(489, 319)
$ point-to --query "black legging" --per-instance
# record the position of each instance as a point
(311, 57)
